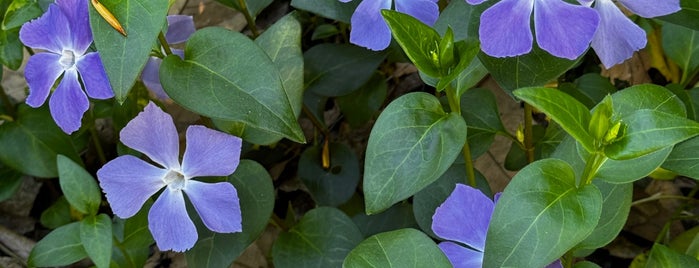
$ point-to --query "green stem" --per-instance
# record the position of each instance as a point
(528, 132)
(455, 106)
(594, 162)
(164, 44)
(6, 101)
(659, 196)
(315, 120)
(249, 18)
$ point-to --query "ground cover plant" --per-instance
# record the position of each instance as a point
(348, 133)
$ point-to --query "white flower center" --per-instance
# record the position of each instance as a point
(67, 59)
(175, 180)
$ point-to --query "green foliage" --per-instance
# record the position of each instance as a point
(253, 7)
(616, 204)
(334, 185)
(399, 216)
(363, 104)
(413, 131)
(403, 248)
(331, 9)
(662, 256)
(10, 183)
(682, 46)
(483, 119)
(345, 71)
(57, 215)
(96, 237)
(60, 247)
(78, 186)
(19, 12)
(687, 16)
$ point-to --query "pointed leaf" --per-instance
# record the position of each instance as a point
(413, 131)
(662, 256)
(61, 246)
(684, 159)
(96, 237)
(227, 76)
(124, 57)
(333, 70)
(11, 49)
(404, 248)
(78, 186)
(648, 96)
(681, 44)
(332, 186)
(19, 12)
(419, 41)
(616, 204)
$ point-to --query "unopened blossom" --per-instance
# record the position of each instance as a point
(562, 29)
(464, 218)
(63, 35)
(617, 37)
(371, 31)
(179, 29)
(128, 182)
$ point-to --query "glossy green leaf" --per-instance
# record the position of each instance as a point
(586, 264)
(57, 215)
(10, 182)
(647, 96)
(254, 7)
(464, 18)
(687, 16)
(31, 143)
(60, 247)
(569, 113)
(282, 43)
(362, 105)
(338, 69)
(662, 256)
(331, 9)
(466, 54)
(684, 159)
(413, 131)
(134, 237)
(78, 186)
(624, 171)
(332, 186)
(256, 194)
(532, 69)
(322, 238)
(234, 80)
(96, 237)
(124, 57)
(480, 110)
(19, 12)
(397, 217)
(540, 216)
(11, 49)
(682, 46)
(589, 89)
(420, 42)
(470, 77)
(402, 248)
(648, 131)
(688, 97)
(616, 204)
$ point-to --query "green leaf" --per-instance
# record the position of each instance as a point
(413, 131)
(331, 9)
(78, 186)
(419, 41)
(540, 216)
(254, 7)
(339, 69)
(586, 264)
(483, 119)
(397, 217)
(624, 171)
(616, 204)
(96, 237)
(362, 105)
(133, 238)
(651, 97)
(60, 247)
(124, 57)
(684, 160)
(569, 113)
(662, 256)
(403, 248)
(332, 186)
(589, 89)
(256, 194)
(681, 45)
(282, 43)
(322, 238)
(57, 215)
(470, 76)
(31, 143)
(11, 49)
(687, 16)
(10, 182)
(648, 131)
(19, 12)
(227, 76)
(533, 69)
(464, 18)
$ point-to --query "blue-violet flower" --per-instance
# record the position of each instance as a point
(617, 37)
(63, 32)
(128, 181)
(562, 29)
(371, 31)
(179, 29)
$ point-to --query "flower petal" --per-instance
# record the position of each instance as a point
(128, 182)
(617, 37)
(49, 32)
(460, 256)
(368, 27)
(79, 23)
(555, 264)
(153, 133)
(652, 8)
(210, 153)
(562, 29)
(475, 2)
(505, 28)
(151, 77)
(179, 28)
(94, 76)
(170, 224)
(41, 73)
(426, 11)
(464, 217)
(217, 205)
(68, 102)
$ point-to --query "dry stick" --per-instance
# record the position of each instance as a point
(15, 245)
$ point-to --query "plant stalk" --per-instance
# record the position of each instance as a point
(455, 106)
(164, 44)
(249, 18)
(592, 165)
(528, 133)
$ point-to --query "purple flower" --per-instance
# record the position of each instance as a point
(179, 29)
(562, 29)
(464, 218)
(617, 37)
(371, 31)
(63, 32)
(129, 181)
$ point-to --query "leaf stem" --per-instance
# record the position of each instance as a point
(6, 101)
(592, 165)
(659, 196)
(249, 18)
(315, 120)
(164, 44)
(528, 132)
(455, 106)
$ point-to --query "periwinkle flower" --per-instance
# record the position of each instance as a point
(179, 29)
(464, 218)
(371, 31)
(562, 29)
(128, 181)
(63, 32)
(617, 37)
